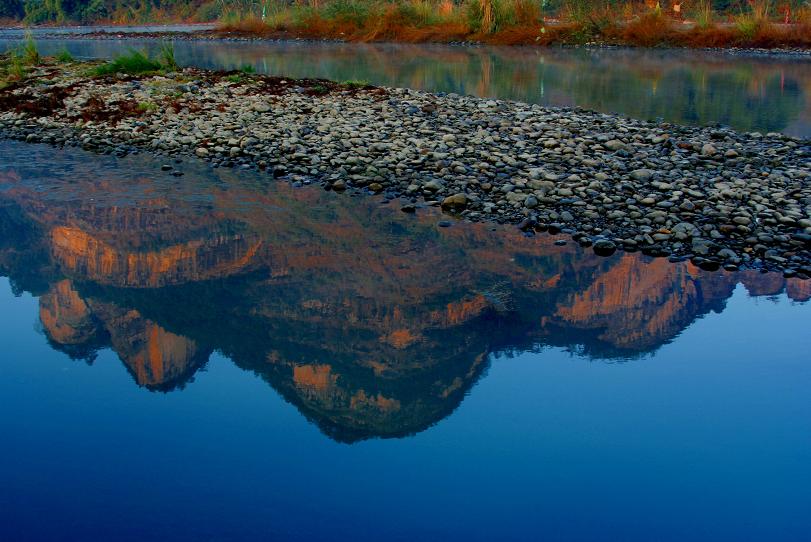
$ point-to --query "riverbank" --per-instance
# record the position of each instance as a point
(651, 29)
(759, 26)
(282, 36)
(723, 198)
(735, 47)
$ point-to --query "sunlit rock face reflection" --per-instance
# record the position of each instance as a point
(65, 316)
(213, 256)
(372, 322)
(156, 358)
(638, 305)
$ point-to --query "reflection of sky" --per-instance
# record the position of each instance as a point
(707, 438)
(748, 93)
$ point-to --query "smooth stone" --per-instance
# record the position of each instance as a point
(455, 202)
(604, 247)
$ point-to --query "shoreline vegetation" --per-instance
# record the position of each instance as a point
(720, 198)
(755, 24)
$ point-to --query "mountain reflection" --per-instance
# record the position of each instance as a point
(372, 322)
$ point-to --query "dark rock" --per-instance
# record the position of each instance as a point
(604, 247)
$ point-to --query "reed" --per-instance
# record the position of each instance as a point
(703, 14)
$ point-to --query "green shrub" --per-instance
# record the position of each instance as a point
(147, 106)
(44, 11)
(247, 68)
(747, 26)
(503, 14)
(210, 11)
(64, 57)
(132, 63)
(356, 12)
(356, 83)
(419, 13)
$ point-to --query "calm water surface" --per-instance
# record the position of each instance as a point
(749, 93)
(220, 357)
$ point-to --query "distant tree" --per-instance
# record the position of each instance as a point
(44, 11)
(12, 9)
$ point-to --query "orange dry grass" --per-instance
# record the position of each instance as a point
(388, 31)
(316, 26)
(394, 26)
(529, 35)
(249, 25)
(391, 26)
(648, 30)
(527, 12)
(769, 36)
(446, 8)
(712, 36)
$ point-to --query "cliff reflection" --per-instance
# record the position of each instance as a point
(372, 322)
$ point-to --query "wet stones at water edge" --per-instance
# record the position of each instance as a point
(721, 198)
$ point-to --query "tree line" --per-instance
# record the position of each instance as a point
(136, 11)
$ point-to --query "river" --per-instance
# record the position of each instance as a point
(218, 356)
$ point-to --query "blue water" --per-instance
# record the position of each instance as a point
(698, 429)
(697, 442)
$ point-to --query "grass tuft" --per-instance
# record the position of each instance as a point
(147, 107)
(132, 63)
(29, 50)
(16, 64)
(64, 57)
(356, 83)
(166, 56)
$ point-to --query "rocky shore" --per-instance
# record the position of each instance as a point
(719, 197)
